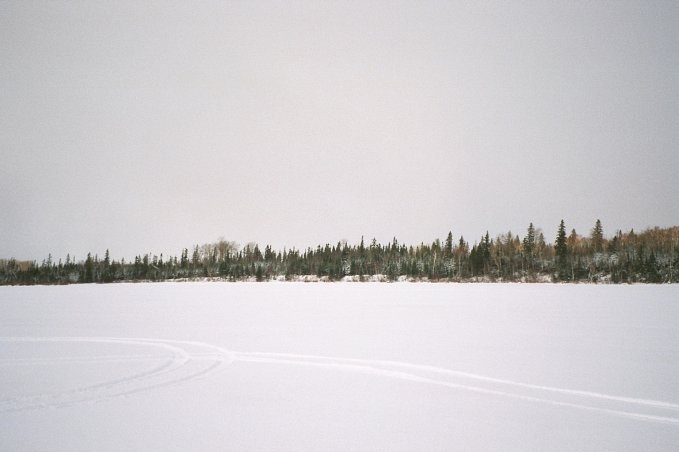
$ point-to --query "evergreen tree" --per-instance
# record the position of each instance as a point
(529, 242)
(184, 262)
(89, 269)
(462, 252)
(561, 248)
(598, 237)
(485, 252)
(448, 248)
(106, 274)
(529, 246)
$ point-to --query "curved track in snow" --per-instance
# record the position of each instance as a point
(186, 361)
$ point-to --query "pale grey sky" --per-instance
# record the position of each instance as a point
(150, 126)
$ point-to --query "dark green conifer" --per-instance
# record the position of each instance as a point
(561, 248)
(598, 237)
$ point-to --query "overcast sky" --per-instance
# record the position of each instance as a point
(151, 126)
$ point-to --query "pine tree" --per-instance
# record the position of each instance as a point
(486, 247)
(598, 237)
(529, 246)
(461, 252)
(107, 267)
(561, 247)
(448, 248)
(529, 241)
(184, 262)
(89, 269)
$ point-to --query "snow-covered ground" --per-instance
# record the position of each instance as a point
(293, 366)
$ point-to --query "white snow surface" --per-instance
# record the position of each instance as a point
(310, 367)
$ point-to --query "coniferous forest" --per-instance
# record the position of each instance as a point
(651, 256)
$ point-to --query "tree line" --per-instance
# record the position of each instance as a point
(651, 256)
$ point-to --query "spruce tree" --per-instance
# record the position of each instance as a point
(448, 249)
(107, 267)
(598, 237)
(529, 241)
(89, 269)
(561, 247)
(529, 246)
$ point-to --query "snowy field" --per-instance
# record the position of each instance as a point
(341, 366)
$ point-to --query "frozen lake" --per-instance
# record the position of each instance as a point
(340, 366)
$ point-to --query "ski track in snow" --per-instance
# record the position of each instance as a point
(190, 360)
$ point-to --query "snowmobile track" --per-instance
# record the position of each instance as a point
(190, 360)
